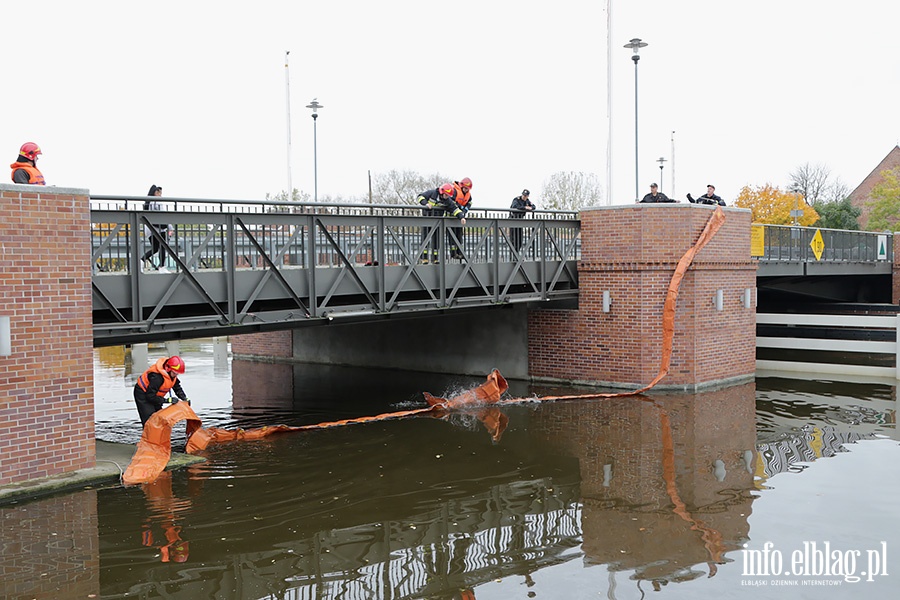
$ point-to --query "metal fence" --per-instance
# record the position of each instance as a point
(795, 244)
(249, 264)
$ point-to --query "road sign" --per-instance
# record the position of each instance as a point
(817, 244)
(882, 248)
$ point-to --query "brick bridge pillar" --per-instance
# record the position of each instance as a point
(46, 382)
(631, 253)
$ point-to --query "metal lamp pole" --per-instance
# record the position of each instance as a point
(315, 106)
(287, 91)
(636, 44)
(661, 160)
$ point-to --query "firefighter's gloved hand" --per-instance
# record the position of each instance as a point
(463, 221)
(174, 400)
(188, 400)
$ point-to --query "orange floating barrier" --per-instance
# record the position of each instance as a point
(154, 448)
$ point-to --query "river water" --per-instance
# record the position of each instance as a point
(777, 489)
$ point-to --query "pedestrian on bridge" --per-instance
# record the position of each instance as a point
(25, 170)
(163, 228)
(521, 205)
(155, 383)
(437, 203)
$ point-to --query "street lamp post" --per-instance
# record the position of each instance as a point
(315, 106)
(636, 44)
(661, 160)
(287, 93)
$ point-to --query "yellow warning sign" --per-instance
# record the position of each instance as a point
(817, 244)
(757, 240)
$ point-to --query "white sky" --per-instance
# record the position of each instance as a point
(190, 95)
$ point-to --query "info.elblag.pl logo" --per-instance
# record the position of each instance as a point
(816, 559)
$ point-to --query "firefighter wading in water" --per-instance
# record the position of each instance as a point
(151, 387)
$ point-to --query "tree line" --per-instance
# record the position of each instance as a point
(820, 199)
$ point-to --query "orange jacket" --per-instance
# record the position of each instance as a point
(35, 177)
(462, 199)
(143, 381)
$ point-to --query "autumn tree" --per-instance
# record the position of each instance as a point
(571, 190)
(884, 202)
(768, 204)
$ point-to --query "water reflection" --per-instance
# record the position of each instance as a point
(657, 491)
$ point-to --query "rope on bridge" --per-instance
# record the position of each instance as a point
(154, 448)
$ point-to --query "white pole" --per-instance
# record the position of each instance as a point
(897, 350)
(287, 90)
(609, 121)
(673, 166)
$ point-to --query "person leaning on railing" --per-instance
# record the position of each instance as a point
(436, 203)
(521, 205)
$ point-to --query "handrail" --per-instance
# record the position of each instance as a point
(794, 243)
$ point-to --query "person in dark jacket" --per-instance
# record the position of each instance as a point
(163, 228)
(25, 170)
(153, 385)
(521, 205)
(437, 203)
(708, 198)
(655, 195)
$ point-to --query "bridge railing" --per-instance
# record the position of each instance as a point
(794, 244)
(273, 264)
(281, 229)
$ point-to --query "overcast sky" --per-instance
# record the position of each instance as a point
(190, 95)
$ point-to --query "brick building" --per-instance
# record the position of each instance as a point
(860, 196)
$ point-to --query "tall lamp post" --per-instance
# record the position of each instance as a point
(287, 93)
(661, 160)
(636, 44)
(315, 106)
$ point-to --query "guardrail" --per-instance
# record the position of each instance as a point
(831, 344)
(794, 244)
(281, 263)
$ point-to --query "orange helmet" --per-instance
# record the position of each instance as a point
(465, 182)
(30, 150)
(175, 363)
(446, 189)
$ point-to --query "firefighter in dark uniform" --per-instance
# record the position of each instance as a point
(151, 387)
(437, 203)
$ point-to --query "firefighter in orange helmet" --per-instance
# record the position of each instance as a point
(151, 387)
(25, 170)
(437, 203)
(462, 195)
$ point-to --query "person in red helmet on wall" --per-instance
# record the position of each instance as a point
(25, 170)
(437, 203)
(462, 195)
(151, 387)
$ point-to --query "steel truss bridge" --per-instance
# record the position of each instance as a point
(244, 266)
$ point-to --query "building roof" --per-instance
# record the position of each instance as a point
(859, 197)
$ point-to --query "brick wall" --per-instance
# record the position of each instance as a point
(273, 344)
(51, 550)
(46, 385)
(631, 252)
